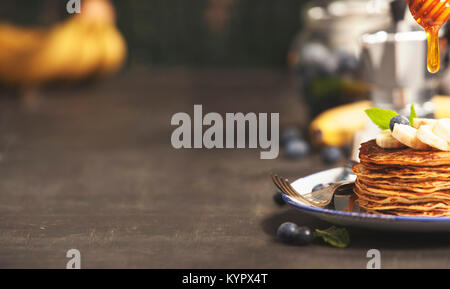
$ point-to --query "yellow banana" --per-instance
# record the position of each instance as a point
(336, 126)
(114, 51)
(57, 55)
(442, 106)
(88, 53)
(13, 38)
(85, 45)
(16, 44)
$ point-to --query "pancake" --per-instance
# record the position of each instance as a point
(387, 199)
(371, 153)
(403, 182)
(428, 186)
(418, 169)
(436, 213)
(425, 206)
(402, 173)
(380, 192)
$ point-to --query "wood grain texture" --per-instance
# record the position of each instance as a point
(92, 168)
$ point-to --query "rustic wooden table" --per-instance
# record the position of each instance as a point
(92, 168)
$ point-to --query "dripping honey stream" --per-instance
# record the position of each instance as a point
(431, 15)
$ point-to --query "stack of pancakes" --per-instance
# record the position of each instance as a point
(403, 181)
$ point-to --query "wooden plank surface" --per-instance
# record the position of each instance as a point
(92, 168)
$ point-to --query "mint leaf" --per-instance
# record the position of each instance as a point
(381, 117)
(412, 115)
(337, 237)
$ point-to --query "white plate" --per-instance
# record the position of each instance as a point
(371, 221)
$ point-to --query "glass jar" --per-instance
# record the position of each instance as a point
(325, 53)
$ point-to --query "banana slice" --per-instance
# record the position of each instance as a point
(426, 135)
(418, 122)
(385, 140)
(407, 135)
(442, 128)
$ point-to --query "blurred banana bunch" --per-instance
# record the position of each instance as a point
(337, 126)
(86, 45)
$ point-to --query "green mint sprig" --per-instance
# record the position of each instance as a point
(382, 117)
(412, 115)
(337, 237)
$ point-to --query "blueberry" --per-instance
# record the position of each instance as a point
(331, 155)
(296, 148)
(398, 119)
(289, 134)
(291, 233)
(304, 236)
(278, 198)
(287, 232)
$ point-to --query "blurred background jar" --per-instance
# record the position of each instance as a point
(325, 53)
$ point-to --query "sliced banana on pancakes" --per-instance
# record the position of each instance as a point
(385, 140)
(407, 135)
(418, 122)
(442, 129)
(426, 135)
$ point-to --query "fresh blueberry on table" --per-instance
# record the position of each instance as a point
(291, 233)
(278, 198)
(296, 149)
(289, 134)
(287, 232)
(331, 155)
(305, 236)
(398, 119)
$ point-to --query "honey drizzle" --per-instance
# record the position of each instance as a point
(433, 58)
(431, 15)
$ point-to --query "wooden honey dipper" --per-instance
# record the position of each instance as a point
(431, 15)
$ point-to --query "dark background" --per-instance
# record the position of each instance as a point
(196, 33)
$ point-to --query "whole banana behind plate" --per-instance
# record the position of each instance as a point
(336, 126)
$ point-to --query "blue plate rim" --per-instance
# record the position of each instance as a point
(302, 207)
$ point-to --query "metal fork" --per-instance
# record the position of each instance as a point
(320, 198)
